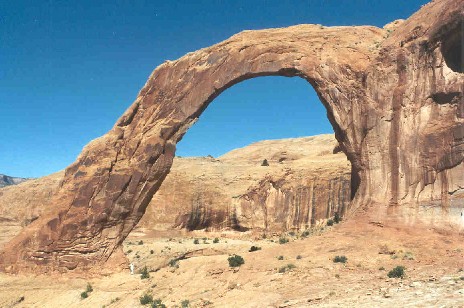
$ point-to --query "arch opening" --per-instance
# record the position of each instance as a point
(209, 205)
(341, 136)
(289, 71)
(265, 107)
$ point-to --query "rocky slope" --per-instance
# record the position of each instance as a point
(23, 203)
(6, 180)
(304, 184)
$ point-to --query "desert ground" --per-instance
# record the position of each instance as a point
(299, 273)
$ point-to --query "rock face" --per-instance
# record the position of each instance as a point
(304, 184)
(394, 98)
(6, 180)
(23, 203)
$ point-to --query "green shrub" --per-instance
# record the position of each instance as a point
(173, 263)
(291, 233)
(185, 303)
(330, 222)
(216, 240)
(196, 241)
(397, 272)
(144, 273)
(157, 303)
(298, 257)
(340, 259)
(89, 288)
(265, 163)
(129, 251)
(305, 233)
(280, 258)
(254, 248)
(286, 268)
(408, 256)
(381, 268)
(146, 299)
(283, 240)
(235, 261)
(140, 242)
(337, 218)
(152, 251)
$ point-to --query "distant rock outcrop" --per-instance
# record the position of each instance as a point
(6, 180)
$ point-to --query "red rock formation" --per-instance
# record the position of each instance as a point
(278, 205)
(394, 100)
(303, 185)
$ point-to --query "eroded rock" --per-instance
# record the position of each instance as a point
(236, 192)
(394, 100)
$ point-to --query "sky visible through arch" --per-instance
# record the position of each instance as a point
(256, 109)
(69, 69)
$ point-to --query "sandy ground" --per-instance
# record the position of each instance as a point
(434, 265)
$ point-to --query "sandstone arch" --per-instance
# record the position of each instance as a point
(394, 103)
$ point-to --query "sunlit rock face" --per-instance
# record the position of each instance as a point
(393, 96)
(416, 146)
(303, 185)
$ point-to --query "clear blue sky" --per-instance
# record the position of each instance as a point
(69, 69)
